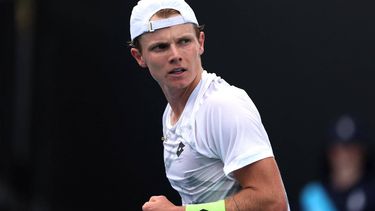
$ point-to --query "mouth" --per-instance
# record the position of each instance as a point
(177, 70)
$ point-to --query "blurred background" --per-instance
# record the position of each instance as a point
(80, 122)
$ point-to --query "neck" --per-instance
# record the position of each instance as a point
(177, 101)
(177, 98)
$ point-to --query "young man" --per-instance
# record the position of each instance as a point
(216, 151)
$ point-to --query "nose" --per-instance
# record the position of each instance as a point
(175, 55)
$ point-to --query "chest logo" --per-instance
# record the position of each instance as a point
(180, 149)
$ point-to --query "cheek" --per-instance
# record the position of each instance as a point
(154, 64)
(155, 67)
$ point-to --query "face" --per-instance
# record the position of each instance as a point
(345, 156)
(173, 56)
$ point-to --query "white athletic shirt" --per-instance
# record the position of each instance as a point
(219, 131)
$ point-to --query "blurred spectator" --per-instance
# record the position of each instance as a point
(347, 184)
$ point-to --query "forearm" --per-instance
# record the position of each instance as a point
(262, 188)
(249, 199)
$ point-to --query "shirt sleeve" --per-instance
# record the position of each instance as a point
(230, 129)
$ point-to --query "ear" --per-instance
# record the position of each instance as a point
(138, 57)
(201, 42)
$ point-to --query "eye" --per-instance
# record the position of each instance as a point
(185, 41)
(159, 47)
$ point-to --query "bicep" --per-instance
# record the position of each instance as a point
(261, 175)
(261, 187)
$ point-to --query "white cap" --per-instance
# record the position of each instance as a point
(145, 9)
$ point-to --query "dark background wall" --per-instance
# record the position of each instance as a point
(89, 134)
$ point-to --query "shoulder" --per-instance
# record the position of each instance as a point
(220, 93)
(228, 108)
(223, 104)
(229, 102)
(226, 96)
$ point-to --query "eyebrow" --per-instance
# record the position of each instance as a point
(186, 35)
(155, 44)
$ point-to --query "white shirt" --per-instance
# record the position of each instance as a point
(219, 131)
